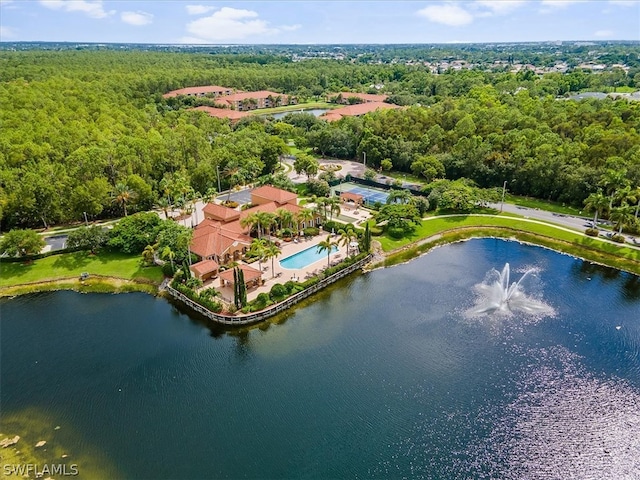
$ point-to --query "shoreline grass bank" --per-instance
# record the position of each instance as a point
(588, 251)
(109, 272)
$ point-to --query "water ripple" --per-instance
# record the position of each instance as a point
(565, 423)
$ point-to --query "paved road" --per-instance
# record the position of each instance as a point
(578, 223)
(570, 221)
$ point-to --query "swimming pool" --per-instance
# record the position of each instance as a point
(305, 258)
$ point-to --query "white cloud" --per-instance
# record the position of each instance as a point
(93, 9)
(625, 3)
(228, 24)
(557, 4)
(500, 7)
(6, 32)
(604, 33)
(199, 9)
(447, 14)
(136, 18)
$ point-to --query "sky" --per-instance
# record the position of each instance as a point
(318, 22)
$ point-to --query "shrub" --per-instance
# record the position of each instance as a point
(311, 231)
(310, 282)
(618, 238)
(278, 292)
(592, 232)
(133, 233)
(319, 188)
(286, 232)
(230, 204)
(395, 232)
(169, 270)
(262, 299)
(377, 231)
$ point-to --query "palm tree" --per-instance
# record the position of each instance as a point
(271, 251)
(347, 235)
(148, 254)
(285, 217)
(234, 176)
(303, 216)
(265, 221)
(209, 195)
(613, 180)
(257, 249)
(596, 202)
(170, 254)
(622, 216)
(334, 206)
(320, 207)
(164, 204)
(194, 200)
(326, 246)
(122, 194)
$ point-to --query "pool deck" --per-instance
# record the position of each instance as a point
(271, 277)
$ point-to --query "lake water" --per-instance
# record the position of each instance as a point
(314, 111)
(384, 375)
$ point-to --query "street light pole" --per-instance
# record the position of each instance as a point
(504, 189)
(218, 176)
(365, 159)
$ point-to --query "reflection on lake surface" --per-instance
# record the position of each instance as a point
(314, 111)
(383, 375)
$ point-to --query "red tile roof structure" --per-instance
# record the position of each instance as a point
(220, 212)
(199, 91)
(214, 240)
(272, 194)
(204, 267)
(250, 274)
(356, 110)
(232, 115)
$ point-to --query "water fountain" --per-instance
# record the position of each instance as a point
(499, 296)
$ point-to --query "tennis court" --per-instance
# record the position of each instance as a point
(369, 194)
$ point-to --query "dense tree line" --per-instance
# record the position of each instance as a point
(88, 132)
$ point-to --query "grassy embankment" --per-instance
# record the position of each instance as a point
(440, 230)
(108, 272)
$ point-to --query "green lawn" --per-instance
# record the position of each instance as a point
(438, 225)
(128, 267)
(293, 108)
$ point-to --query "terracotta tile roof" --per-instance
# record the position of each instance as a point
(273, 194)
(198, 91)
(204, 267)
(351, 196)
(356, 110)
(221, 112)
(220, 212)
(211, 239)
(250, 273)
(246, 95)
(270, 207)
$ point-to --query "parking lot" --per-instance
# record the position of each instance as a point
(242, 197)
